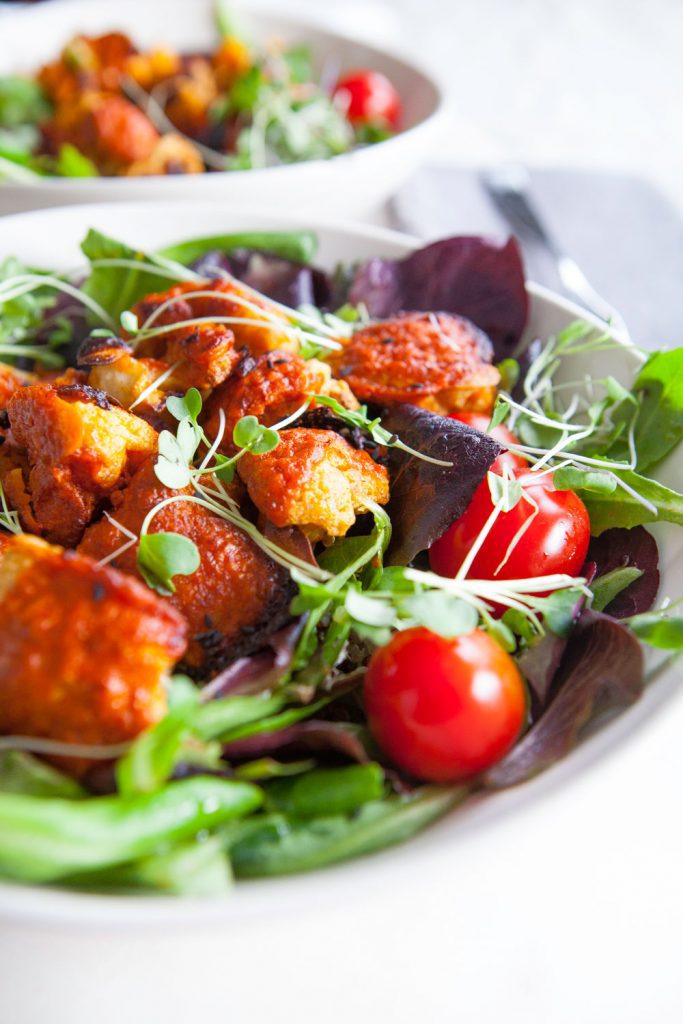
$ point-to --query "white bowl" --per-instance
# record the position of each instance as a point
(352, 184)
(523, 906)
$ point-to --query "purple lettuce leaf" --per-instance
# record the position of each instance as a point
(426, 499)
(600, 672)
(284, 280)
(258, 672)
(540, 662)
(315, 736)
(618, 548)
(477, 278)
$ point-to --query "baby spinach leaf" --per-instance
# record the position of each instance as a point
(276, 845)
(71, 163)
(21, 772)
(118, 288)
(606, 588)
(22, 101)
(658, 630)
(620, 508)
(293, 245)
(659, 424)
(325, 792)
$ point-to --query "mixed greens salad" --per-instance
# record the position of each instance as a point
(483, 606)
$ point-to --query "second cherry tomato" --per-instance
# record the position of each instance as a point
(480, 421)
(556, 540)
(444, 709)
(368, 97)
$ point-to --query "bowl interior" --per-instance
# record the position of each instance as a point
(51, 238)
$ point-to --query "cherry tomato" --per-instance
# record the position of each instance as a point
(480, 421)
(556, 541)
(368, 97)
(444, 710)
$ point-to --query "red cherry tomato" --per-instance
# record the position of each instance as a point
(480, 421)
(556, 541)
(368, 97)
(444, 710)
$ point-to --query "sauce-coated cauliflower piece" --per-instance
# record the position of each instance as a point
(438, 361)
(271, 387)
(265, 328)
(80, 447)
(315, 480)
(195, 357)
(235, 596)
(84, 651)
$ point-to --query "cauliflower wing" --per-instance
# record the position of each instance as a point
(236, 595)
(315, 480)
(265, 328)
(271, 387)
(199, 357)
(438, 361)
(80, 447)
(84, 651)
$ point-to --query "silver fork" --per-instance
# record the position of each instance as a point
(509, 186)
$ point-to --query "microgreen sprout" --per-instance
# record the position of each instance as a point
(9, 519)
(359, 418)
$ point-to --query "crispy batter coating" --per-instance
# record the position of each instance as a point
(10, 381)
(110, 130)
(86, 62)
(315, 480)
(199, 357)
(236, 595)
(271, 387)
(149, 69)
(428, 359)
(84, 651)
(228, 298)
(231, 59)
(80, 447)
(191, 96)
(172, 154)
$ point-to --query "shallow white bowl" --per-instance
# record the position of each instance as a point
(352, 184)
(556, 902)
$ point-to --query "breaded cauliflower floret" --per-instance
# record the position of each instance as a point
(271, 387)
(84, 651)
(315, 480)
(438, 361)
(172, 154)
(229, 298)
(195, 357)
(110, 130)
(80, 447)
(235, 595)
(10, 381)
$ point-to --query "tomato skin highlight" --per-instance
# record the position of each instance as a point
(369, 98)
(555, 542)
(444, 710)
(480, 421)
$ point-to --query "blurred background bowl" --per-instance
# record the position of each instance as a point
(352, 184)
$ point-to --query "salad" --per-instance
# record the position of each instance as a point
(105, 107)
(292, 563)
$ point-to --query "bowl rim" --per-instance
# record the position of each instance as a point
(262, 899)
(298, 21)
